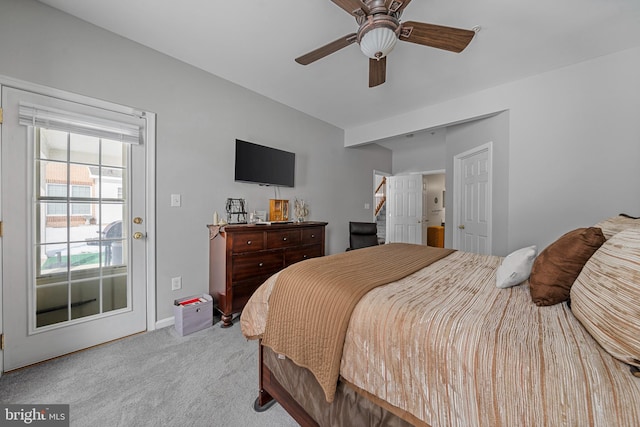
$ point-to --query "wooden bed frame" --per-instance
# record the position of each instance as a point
(348, 404)
(271, 391)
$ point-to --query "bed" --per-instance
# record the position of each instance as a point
(444, 345)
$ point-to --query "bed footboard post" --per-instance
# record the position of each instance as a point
(264, 400)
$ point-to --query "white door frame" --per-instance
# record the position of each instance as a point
(457, 179)
(150, 184)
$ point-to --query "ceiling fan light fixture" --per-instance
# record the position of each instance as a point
(378, 42)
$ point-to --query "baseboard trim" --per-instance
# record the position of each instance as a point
(163, 323)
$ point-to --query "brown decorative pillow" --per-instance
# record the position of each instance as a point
(558, 266)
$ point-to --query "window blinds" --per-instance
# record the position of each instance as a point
(129, 130)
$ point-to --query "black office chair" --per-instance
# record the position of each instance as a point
(362, 235)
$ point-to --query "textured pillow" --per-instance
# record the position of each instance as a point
(606, 296)
(516, 267)
(558, 266)
(616, 224)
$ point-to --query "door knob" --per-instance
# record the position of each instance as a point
(461, 226)
(137, 220)
(138, 235)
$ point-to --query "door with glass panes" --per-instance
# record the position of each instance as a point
(74, 247)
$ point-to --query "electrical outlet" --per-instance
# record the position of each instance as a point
(176, 283)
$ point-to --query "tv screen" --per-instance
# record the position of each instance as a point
(264, 165)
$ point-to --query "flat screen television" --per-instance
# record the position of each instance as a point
(264, 165)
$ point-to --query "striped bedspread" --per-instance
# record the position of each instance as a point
(445, 347)
(311, 302)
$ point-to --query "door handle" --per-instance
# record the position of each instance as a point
(138, 235)
(137, 220)
(461, 226)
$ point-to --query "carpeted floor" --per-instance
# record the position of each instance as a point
(209, 378)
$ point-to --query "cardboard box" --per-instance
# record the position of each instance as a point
(194, 316)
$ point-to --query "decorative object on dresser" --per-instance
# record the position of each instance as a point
(300, 209)
(278, 210)
(242, 257)
(236, 212)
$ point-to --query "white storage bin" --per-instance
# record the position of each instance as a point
(193, 317)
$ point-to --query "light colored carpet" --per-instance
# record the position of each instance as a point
(208, 378)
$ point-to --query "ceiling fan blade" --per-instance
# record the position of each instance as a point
(447, 38)
(377, 71)
(353, 7)
(327, 49)
(397, 5)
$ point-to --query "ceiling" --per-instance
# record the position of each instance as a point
(253, 43)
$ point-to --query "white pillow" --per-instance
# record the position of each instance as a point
(516, 267)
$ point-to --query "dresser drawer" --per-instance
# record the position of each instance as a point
(312, 236)
(283, 239)
(248, 242)
(293, 255)
(242, 291)
(248, 265)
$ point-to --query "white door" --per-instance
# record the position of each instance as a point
(404, 221)
(472, 232)
(73, 276)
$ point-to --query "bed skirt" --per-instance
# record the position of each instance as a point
(299, 393)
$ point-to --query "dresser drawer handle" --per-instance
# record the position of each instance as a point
(304, 256)
(261, 264)
(248, 242)
(284, 239)
(313, 236)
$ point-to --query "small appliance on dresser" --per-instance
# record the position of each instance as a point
(243, 256)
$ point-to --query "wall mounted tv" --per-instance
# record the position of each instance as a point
(264, 165)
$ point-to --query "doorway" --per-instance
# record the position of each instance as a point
(416, 208)
(433, 216)
(75, 209)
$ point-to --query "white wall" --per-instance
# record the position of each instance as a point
(573, 144)
(198, 118)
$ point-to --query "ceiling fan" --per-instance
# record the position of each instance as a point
(379, 30)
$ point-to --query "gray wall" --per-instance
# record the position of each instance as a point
(464, 137)
(424, 152)
(198, 118)
(573, 144)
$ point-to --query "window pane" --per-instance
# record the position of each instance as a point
(85, 298)
(114, 153)
(111, 183)
(52, 179)
(51, 305)
(84, 149)
(52, 145)
(114, 293)
(53, 258)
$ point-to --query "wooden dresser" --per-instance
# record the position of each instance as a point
(243, 256)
